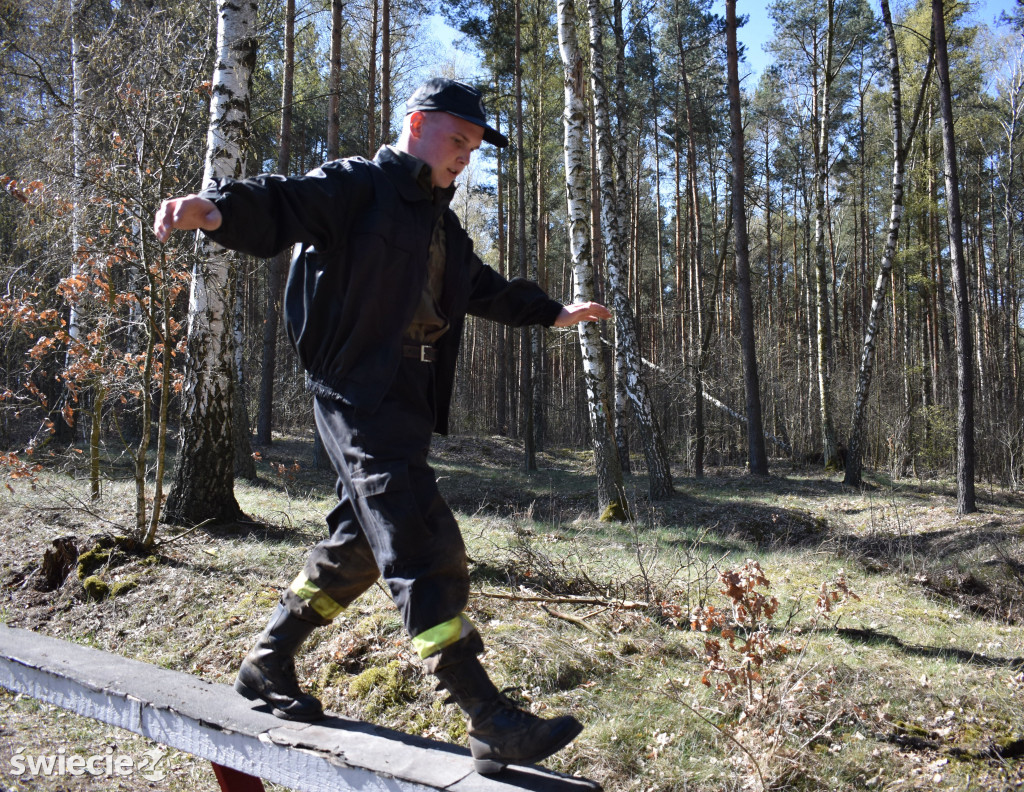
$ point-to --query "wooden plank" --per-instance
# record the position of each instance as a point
(213, 722)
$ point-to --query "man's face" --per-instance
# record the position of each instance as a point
(446, 143)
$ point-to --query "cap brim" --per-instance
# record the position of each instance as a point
(491, 135)
(495, 138)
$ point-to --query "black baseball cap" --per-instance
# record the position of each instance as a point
(457, 99)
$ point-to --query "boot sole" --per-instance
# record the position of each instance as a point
(247, 692)
(492, 766)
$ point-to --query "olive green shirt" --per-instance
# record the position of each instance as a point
(429, 322)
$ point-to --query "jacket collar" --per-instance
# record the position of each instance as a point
(403, 169)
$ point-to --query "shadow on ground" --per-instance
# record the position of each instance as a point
(976, 563)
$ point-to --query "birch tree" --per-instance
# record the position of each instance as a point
(830, 450)
(77, 154)
(854, 455)
(203, 486)
(610, 491)
(612, 219)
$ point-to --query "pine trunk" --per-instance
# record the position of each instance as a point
(965, 500)
(245, 464)
(278, 265)
(758, 459)
(334, 82)
(371, 88)
(526, 373)
(385, 71)
(694, 331)
(501, 377)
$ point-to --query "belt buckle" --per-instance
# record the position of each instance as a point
(424, 357)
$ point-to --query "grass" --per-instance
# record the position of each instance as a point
(919, 683)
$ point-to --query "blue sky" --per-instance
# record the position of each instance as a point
(758, 30)
(754, 35)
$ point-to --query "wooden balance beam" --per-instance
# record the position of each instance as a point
(244, 741)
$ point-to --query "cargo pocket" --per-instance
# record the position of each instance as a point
(380, 477)
(389, 513)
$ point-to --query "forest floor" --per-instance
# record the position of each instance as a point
(891, 658)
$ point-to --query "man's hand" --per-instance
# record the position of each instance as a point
(186, 214)
(582, 312)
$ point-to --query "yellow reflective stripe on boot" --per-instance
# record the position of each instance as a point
(444, 634)
(315, 596)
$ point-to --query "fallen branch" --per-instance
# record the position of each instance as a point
(710, 399)
(571, 619)
(553, 600)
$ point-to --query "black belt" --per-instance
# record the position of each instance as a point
(425, 353)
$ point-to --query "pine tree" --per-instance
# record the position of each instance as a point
(965, 500)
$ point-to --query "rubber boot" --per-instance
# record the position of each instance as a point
(268, 671)
(500, 733)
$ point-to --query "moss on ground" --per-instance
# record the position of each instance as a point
(382, 687)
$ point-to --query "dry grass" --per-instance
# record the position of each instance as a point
(919, 684)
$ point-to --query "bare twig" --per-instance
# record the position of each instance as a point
(70, 501)
(724, 732)
(193, 529)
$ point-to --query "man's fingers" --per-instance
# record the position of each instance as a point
(168, 217)
(159, 224)
(591, 311)
(185, 214)
(582, 312)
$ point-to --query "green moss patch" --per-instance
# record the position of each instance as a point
(383, 687)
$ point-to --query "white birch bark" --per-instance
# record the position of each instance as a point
(854, 456)
(606, 461)
(203, 486)
(659, 473)
(828, 435)
(77, 76)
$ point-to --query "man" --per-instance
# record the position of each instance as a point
(382, 278)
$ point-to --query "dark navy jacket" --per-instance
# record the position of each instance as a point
(361, 232)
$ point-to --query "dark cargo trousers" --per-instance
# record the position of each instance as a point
(390, 520)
